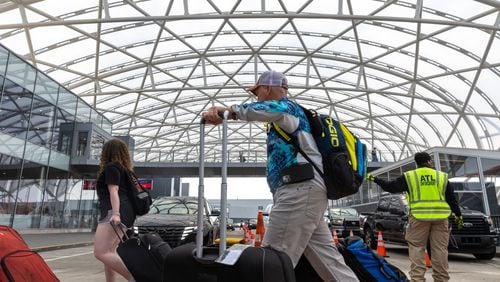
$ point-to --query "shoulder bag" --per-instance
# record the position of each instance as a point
(139, 196)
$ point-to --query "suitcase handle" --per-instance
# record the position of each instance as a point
(122, 227)
(201, 188)
(221, 115)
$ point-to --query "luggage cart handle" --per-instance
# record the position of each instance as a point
(201, 187)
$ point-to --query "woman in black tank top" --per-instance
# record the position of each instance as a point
(114, 206)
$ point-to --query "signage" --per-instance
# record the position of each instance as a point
(146, 183)
(89, 184)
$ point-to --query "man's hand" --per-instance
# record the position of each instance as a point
(460, 222)
(370, 177)
(212, 115)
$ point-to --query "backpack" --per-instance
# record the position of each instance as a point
(140, 197)
(366, 263)
(344, 155)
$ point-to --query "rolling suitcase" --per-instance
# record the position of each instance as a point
(304, 272)
(143, 254)
(191, 263)
(18, 263)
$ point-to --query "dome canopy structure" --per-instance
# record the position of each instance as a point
(403, 75)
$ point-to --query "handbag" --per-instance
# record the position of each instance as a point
(140, 197)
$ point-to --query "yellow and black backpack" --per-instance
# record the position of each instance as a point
(344, 155)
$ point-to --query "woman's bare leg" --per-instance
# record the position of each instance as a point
(110, 274)
(105, 244)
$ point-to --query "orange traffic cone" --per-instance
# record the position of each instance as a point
(350, 233)
(259, 230)
(427, 259)
(246, 236)
(252, 239)
(380, 245)
(335, 237)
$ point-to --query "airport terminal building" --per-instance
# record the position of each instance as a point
(38, 118)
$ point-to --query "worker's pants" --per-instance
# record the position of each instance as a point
(417, 234)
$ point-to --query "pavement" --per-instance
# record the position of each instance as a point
(57, 246)
(48, 240)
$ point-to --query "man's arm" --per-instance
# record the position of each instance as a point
(396, 186)
(451, 200)
(272, 111)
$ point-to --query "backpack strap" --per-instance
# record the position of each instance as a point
(290, 140)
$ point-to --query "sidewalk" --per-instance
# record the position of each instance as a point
(48, 240)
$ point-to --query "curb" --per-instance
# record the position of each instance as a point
(61, 246)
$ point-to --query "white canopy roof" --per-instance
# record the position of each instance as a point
(403, 75)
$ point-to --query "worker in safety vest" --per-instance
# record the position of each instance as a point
(430, 198)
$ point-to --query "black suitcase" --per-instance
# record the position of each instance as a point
(254, 264)
(143, 255)
(191, 263)
(304, 272)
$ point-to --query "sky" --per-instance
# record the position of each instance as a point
(237, 187)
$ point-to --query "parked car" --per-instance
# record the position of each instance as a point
(344, 220)
(230, 224)
(477, 237)
(175, 220)
(252, 223)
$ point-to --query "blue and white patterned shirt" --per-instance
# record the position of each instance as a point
(291, 118)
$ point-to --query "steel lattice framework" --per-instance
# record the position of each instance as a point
(403, 75)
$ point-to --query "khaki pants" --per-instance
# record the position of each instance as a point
(418, 232)
(296, 226)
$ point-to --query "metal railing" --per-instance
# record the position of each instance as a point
(237, 155)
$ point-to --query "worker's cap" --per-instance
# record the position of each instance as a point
(422, 158)
(270, 78)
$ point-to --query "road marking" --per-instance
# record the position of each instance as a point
(70, 256)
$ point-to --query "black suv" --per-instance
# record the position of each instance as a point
(344, 220)
(477, 237)
(175, 220)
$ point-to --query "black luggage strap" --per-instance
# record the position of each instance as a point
(3, 262)
(283, 263)
(263, 263)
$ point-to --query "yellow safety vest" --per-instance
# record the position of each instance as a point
(426, 195)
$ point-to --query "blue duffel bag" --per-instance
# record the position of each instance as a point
(366, 263)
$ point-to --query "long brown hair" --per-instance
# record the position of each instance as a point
(116, 151)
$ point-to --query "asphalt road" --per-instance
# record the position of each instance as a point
(79, 264)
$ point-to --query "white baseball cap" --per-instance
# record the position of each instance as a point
(270, 78)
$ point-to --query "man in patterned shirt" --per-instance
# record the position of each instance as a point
(296, 224)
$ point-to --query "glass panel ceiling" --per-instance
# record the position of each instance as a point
(404, 75)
